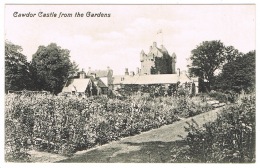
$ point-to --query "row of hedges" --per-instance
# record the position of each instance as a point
(66, 125)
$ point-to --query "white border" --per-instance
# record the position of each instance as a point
(2, 6)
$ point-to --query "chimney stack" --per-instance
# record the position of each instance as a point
(154, 44)
(126, 71)
(161, 46)
(137, 71)
(82, 74)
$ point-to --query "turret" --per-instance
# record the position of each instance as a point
(142, 54)
(174, 57)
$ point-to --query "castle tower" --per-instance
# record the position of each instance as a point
(147, 61)
(157, 61)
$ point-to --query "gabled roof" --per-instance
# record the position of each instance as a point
(156, 52)
(99, 73)
(100, 83)
(78, 85)
(151, 79)
(163, 50)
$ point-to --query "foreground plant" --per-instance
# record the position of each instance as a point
(231, 138)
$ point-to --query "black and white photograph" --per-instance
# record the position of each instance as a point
(129, 83)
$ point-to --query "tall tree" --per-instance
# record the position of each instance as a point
(206, 59)
(51, 67)
(238, 74)
(231, 53)
(17, 76)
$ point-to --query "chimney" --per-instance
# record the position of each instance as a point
(161, 46)
(154, 44)
(94, 75)
(132, 73)
(126, 71)
(137, 71)
(151, 48)
(82, 74)
(179, 71)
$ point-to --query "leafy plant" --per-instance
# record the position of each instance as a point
(231, 138)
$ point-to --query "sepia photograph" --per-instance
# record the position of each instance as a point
(129, 83)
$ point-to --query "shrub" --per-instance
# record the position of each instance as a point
(228, 96)
(231, 138)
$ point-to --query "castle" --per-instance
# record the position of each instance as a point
(158, 68)
(157, 61)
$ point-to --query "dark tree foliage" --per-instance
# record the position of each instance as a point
(238, 75)
(231, 53)
(51, 67)
(17, 75)
(206, 59)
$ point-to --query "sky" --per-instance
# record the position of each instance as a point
(116, 41)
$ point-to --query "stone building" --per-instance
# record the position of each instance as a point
(157, 61)
(95, 82)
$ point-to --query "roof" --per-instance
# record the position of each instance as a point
(151, 79)
(99, 73)
(158, 52)
(163, 50)
(125, 79)
(78, 85)
(100, 83)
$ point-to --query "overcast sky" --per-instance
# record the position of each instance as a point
(117, 41)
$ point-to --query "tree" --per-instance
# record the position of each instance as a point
(51, 67)
(238, 75)
(206, 59)
(17, 75)
(74, 68)
(231, 53)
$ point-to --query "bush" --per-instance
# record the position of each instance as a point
(228, 96)
(231, 138)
